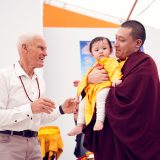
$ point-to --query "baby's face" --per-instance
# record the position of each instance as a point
(101, 49)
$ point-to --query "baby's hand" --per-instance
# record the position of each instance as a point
(116, 83)
(75, 83)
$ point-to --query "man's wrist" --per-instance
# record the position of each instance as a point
(61, 110)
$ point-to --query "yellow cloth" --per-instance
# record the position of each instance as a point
(50, 141)
(113, 68)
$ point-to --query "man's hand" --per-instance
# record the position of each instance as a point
(42, 105)
(69, 105)
(98, 75)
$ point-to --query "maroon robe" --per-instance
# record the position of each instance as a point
(132, 124)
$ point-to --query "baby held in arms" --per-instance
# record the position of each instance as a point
(96, 94)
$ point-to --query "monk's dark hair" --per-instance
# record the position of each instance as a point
(99, 39)
(138, 30)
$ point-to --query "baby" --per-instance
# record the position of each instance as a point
(96, 94)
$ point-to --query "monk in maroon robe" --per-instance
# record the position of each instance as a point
(132, 124)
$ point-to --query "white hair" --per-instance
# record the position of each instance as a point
(26, 38)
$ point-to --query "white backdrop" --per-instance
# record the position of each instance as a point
(17, 17)
(63, 66)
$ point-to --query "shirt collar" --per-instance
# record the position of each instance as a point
(20, 72)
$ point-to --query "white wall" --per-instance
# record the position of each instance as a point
(17, 17)
(152, 46)
(63, 66)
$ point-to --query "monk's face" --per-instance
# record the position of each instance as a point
(125, 44)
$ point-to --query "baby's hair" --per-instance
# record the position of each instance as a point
(99, 39)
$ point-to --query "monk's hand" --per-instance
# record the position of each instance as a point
(42, 105)
(69, 105)
(116, 83)
(98, 75)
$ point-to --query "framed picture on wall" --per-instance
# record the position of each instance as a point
(85, 57)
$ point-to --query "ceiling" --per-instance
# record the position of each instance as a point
(117, 11)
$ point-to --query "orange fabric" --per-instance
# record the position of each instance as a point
(50, 141)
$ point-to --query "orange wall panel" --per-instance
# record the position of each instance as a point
(58, 17)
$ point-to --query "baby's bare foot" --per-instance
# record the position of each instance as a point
(98, 126)
(76, 130)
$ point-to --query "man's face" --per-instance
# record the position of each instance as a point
(37, 51)
(124, 44)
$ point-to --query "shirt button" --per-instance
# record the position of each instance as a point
(27, 115)
(31, 118)
(15, 121)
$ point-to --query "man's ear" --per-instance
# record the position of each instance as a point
(24, 47)
(138, 43)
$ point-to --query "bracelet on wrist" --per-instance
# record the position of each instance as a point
(61, 110)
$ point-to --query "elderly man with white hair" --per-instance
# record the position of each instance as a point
(23, 106)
